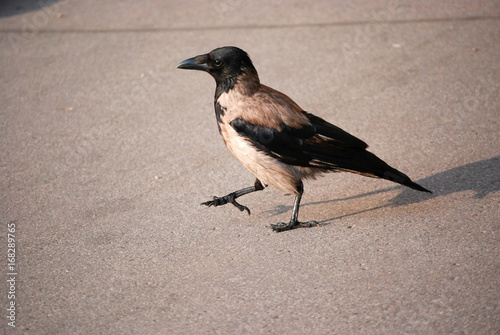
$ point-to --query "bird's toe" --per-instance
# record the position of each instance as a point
(216, 201)
(241, 207)
(282, 226)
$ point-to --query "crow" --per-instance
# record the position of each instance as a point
(279, 142)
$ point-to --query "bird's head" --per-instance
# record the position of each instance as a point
(226, 63)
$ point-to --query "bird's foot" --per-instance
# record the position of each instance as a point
(282, 226)
(227, 199)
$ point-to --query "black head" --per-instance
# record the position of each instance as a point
(223, 64)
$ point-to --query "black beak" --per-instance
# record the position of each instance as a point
(195, 63)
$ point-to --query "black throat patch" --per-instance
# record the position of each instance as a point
(219, 113)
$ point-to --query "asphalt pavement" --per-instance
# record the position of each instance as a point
(107, 151)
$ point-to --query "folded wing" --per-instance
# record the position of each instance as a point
(319, 144)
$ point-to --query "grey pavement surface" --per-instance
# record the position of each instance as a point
(107, 150)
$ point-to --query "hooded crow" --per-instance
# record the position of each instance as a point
(279, 142)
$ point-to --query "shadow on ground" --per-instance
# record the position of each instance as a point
(16, 7)
(482, 177)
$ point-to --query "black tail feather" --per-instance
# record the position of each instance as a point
(361, 162)
(400, 178)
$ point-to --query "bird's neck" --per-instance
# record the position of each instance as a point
(246, 83)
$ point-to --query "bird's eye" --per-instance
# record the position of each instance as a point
(218, 62)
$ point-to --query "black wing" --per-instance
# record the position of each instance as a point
(334, 133)
(285, 144)
(314, 145)
(321, 145)
(318, 144)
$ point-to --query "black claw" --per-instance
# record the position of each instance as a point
(279, 227)
(216, 201)
(241, 207)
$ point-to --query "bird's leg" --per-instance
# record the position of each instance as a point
(231, 197)
(294, 222)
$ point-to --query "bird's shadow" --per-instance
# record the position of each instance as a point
(482, 177)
